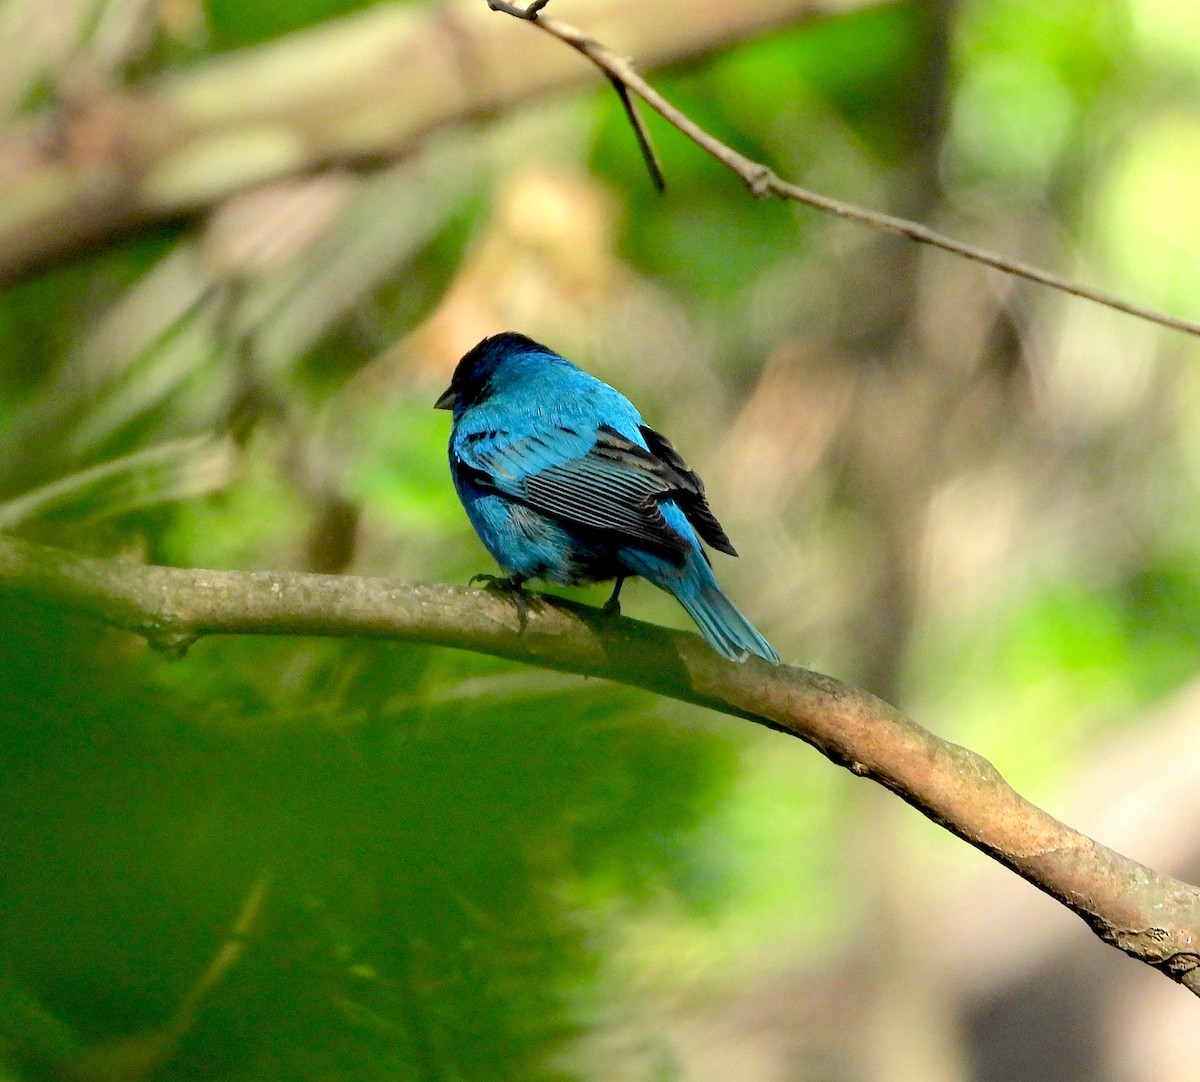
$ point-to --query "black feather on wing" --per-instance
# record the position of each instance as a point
(687, 490)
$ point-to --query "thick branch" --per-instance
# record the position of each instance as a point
(356, 89)
(1150, 916)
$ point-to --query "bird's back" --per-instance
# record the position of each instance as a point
(542, 393)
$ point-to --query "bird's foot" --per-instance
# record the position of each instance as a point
(508, 583)
(612, 607)
(511, 587)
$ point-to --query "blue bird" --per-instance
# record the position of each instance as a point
(562, 481)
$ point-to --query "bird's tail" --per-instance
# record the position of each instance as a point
(720, 622)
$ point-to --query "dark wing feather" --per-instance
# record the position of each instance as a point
(687, 490)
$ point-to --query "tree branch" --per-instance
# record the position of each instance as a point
(1148, 915)
(763, 182)
(358, 89)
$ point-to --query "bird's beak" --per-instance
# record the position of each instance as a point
(448, 400)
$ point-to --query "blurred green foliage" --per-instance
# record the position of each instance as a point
(232, 25)
(420, 817)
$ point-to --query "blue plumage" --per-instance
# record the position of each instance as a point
(562, 481)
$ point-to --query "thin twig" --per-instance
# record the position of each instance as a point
(230, 952)
(142, 1056)
(653, 166)
(1147, 914)
(529, 13)
(763, 182)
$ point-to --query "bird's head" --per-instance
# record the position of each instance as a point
(482, 370)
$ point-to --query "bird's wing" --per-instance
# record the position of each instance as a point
(601, 481)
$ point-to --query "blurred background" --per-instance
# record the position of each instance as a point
(292, 859)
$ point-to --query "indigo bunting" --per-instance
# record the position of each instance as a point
(562, 481)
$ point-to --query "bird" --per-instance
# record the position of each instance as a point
(564, 482)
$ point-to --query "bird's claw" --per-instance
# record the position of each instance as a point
(495, 582)
(511, 586)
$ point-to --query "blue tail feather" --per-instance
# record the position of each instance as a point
(694, 586)
(723, 625)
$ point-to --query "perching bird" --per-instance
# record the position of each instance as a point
(562, 481)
